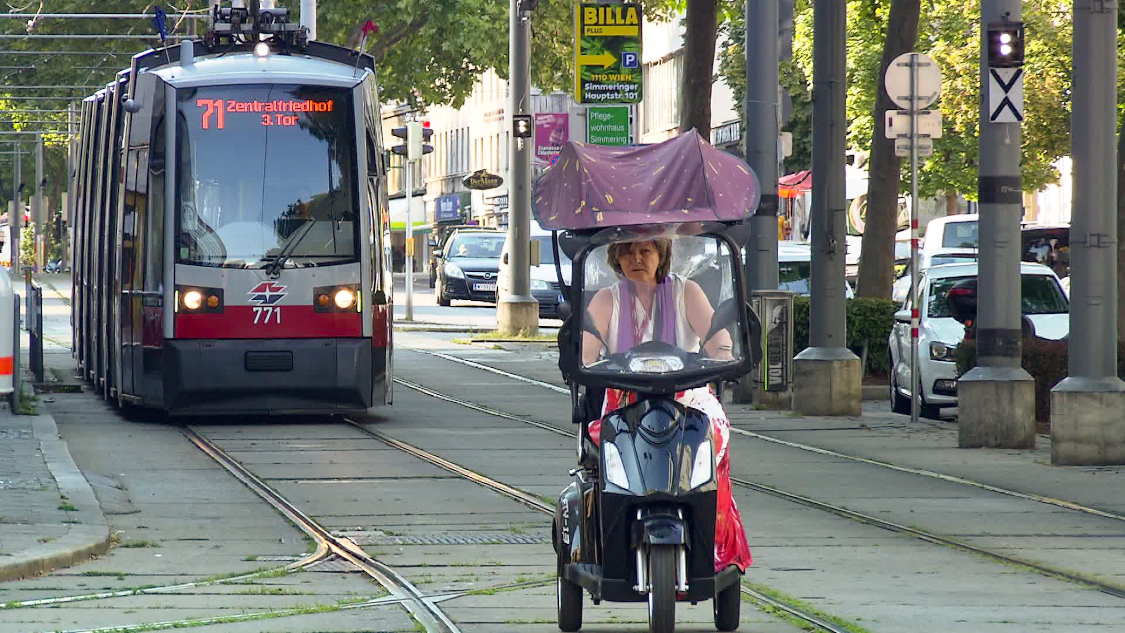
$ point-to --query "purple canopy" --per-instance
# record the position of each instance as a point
(684, 179)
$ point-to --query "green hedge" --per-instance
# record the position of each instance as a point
(869, 322)
(1044, 359)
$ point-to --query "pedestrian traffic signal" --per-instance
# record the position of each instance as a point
(522, 126)
(1005, 44)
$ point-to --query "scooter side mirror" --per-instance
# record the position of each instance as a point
(724, 316)
(564, 310)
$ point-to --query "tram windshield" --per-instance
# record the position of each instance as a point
(266, 173)
(662, 306)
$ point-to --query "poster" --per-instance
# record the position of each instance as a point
(552, 131)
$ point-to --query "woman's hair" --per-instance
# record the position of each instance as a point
(663, 248)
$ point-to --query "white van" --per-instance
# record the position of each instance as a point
(545, 285)
(794, 269)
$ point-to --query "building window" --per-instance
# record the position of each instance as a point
(662, 93)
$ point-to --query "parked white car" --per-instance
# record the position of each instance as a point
(901, 286)
(952, 232)
(1042, 300)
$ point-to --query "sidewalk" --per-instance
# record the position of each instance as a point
(49, 517)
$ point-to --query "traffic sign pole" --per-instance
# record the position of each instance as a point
(915, 312)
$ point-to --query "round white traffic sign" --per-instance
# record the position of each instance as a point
(897, 80)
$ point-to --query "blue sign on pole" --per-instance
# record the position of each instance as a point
(447, 208)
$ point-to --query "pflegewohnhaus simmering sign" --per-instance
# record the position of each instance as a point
(607, 49)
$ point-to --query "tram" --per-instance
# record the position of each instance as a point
(231, 244)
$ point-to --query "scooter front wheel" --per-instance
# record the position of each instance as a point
(662, 589)
(728, 604)
(570, 604)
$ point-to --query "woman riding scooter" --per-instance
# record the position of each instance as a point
(650, 304)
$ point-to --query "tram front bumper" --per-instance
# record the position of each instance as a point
(269, 376)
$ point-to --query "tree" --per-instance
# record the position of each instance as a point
(881, 223)
(699, 61)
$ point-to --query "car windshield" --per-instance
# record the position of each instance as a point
(477, 246)
(260, 165)
(629, 311)
(547, 253)
(960, 235)
(794, 276)
(1040, 294)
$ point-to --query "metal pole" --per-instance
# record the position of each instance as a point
(409, 242)
(308, 17)
(826, 375)
(996, 399)
(518, 310)
(761, 137)
(38, 213)
(15, 218)
(1093, 243)
(1000, 185)
(916, 311)
(827, 325)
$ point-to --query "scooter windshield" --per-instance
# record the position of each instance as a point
(663, 305)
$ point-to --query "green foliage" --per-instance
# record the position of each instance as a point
(1045, 360)
(950, 33)
(27, 244)
(869, 322)
(732, 71)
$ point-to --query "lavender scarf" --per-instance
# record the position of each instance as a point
(663, 304)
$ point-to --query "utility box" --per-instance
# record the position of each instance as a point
(773, 377)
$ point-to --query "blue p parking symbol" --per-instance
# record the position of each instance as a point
(630, 60)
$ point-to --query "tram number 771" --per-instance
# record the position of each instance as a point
(264, 314)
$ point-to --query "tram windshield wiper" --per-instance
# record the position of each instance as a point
(274, 267)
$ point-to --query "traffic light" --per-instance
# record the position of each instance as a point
(1005, 44)
(417, 135)
(415, 138)
(399, 132)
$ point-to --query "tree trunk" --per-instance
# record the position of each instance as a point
(699, 67)
(951, 203)
(876, 267)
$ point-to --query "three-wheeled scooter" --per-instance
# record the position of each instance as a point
(638, 523)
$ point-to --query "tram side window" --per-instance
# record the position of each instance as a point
(154, 254)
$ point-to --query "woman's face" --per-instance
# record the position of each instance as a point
(639, 262)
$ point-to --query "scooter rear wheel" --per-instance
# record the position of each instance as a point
(569, 603)
(662, 589)
(728, 604)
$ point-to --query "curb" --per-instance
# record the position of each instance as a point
(84, 540)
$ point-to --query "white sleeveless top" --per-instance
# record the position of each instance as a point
(686, 338)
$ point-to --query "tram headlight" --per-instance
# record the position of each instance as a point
(344, 298)
(193, 299)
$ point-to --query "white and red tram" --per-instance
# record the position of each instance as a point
(231, 251)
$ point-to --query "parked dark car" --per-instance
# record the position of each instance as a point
(469, 265)
(439, 237)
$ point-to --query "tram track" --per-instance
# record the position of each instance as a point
(422, 607)
(913, 532)
(1061, 503)
(534, 502)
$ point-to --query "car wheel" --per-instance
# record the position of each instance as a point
(899, 403)
(442, 298)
